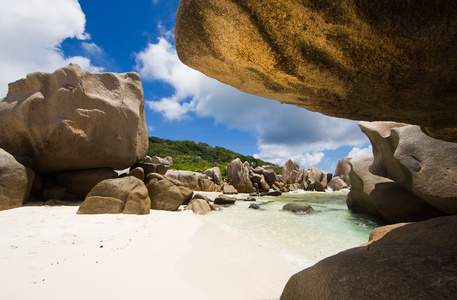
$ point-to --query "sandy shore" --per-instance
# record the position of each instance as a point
(53, 253)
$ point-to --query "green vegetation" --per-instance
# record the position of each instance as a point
(188, 155)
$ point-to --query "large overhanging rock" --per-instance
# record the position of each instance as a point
(419, 163)
(357, 59)
(415, 261)
(73, 119)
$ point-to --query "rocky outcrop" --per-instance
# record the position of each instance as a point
(421, 164)
(337, 184)
(360, 60)
(15, 181)
(166, 195)
(126, 195)
(342, 170)
(268, 173)
(382, 197)
(290, 172)
(414, 261)
(214, 174)
(193, 180)
(238, 176)
(229, 189)
(71, 120)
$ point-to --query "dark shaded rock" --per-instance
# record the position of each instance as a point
(254, 206)
(361, 60)
(272, 193)
(414, 261)
(298, 207)
(81, 182)
(56, 193)
(138, 172)
(221, 200)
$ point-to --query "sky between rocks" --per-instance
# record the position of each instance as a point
(181, 103)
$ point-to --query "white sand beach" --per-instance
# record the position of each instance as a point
(53, 253)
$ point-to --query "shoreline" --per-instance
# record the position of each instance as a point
(53, 253)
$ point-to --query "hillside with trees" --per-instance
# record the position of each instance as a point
(191, 156)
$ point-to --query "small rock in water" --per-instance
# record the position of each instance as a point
(272, 193)
(254, 206)
(224, 200)
(298, 207)
(249, 199)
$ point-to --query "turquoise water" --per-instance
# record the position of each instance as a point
(303, 239)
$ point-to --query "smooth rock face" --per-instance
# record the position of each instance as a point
(164, 194)
(238, 175)
(415, 261)
(342, 170)
(73, 119)
(362, 60)
(198, 206)
(290, 172)
(337, 184)
(192, 180)
(126, 195)
(419, 163)
(381, 197)
(214, 174)
(15, 181)
(298, 207)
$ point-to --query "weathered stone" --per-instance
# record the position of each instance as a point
(419, 163)
(198, 206)
(229, 189)
(71, 120)
(380, 196)
(192, 180)
(342, 170)
(138, 173)
(298, 207)
(186, 193)
(222, 199)
(268, 172)
(290, 172)
(337, 184)
(81, 182)
(214, 174)
(414, 261)
(360, 60)
(238, 175)
(165, 195)
(166, 161)
(15, 181)
(126, 195)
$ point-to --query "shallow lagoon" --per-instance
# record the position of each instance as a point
(302, 239)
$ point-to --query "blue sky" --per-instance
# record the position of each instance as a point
(180, 103)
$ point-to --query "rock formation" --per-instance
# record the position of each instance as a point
(421, 164)
(193, 180)
(414, 261)
(360, 60)
(342, 170)
(382, 197)
(71, 120)
(238, 175)
(165, 195)
(15, 181)
(126, 195)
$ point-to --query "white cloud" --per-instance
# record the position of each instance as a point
(283, 131)
(92, 48)
(356, 151)
(31, 32)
